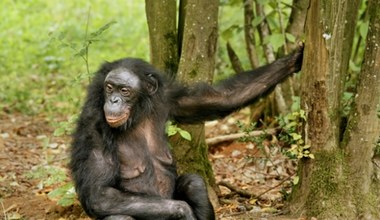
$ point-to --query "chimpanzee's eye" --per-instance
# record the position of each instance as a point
(109, 88)
(125, 91)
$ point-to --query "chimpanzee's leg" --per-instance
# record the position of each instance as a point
(192, 189)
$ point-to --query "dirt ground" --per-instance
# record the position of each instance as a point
(252, 180)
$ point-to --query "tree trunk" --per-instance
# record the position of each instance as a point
(195, 44)
(363, 132)
(249, 34)
(161, 17)
(322, 191)
(197, 63)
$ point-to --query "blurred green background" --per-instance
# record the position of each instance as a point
(39, 69)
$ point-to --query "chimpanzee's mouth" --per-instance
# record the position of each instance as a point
(116, 121)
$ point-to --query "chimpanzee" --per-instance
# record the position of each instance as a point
(120, 160)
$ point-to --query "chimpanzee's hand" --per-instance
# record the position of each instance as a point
(184, 211)
(297, 57)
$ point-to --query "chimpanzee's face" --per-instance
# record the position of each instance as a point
(121, 88)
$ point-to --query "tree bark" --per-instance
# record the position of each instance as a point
(161, 17)
(197, 63)
(322, 191)
(363, 133)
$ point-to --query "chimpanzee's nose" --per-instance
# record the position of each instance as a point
(115, 100)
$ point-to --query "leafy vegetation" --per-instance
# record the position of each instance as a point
(173, 129)
(291, 125)
(38, 73)
(47, 62)
(65, 194)
(52, 176)
(290, 135)
(43, 45)
(232, 30)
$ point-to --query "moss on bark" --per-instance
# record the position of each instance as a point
(323, 192)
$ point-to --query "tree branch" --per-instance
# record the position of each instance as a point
(235, 61)
(249, 34)
(239, 191)
(231, 137)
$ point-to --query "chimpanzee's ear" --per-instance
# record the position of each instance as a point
(151, 84)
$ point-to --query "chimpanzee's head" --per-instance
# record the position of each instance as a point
(126, 87)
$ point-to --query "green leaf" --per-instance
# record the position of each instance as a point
(276, 40)
(167, 125)
(257, 20)
(290, 37)
(66, 201)
(61, 191)
(65, 194)
(296, 136)
(229, 32)
(311, 156)
(292, 117)
(302, 114)
(102, 29)
(185, 134)
(172, 130)
(292, 124)
(82, 52)
(307, 146)
(59, 131)
(296, 180)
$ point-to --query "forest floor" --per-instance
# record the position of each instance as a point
(252, 180)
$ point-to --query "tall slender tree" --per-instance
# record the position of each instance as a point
(342, 182)
(188, 52)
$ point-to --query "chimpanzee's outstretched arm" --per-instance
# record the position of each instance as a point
(204, 102)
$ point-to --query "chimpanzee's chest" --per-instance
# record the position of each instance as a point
(146, 165)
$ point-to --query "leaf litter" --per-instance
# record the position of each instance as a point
(252, 180)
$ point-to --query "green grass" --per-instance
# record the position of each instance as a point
(37, 74)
